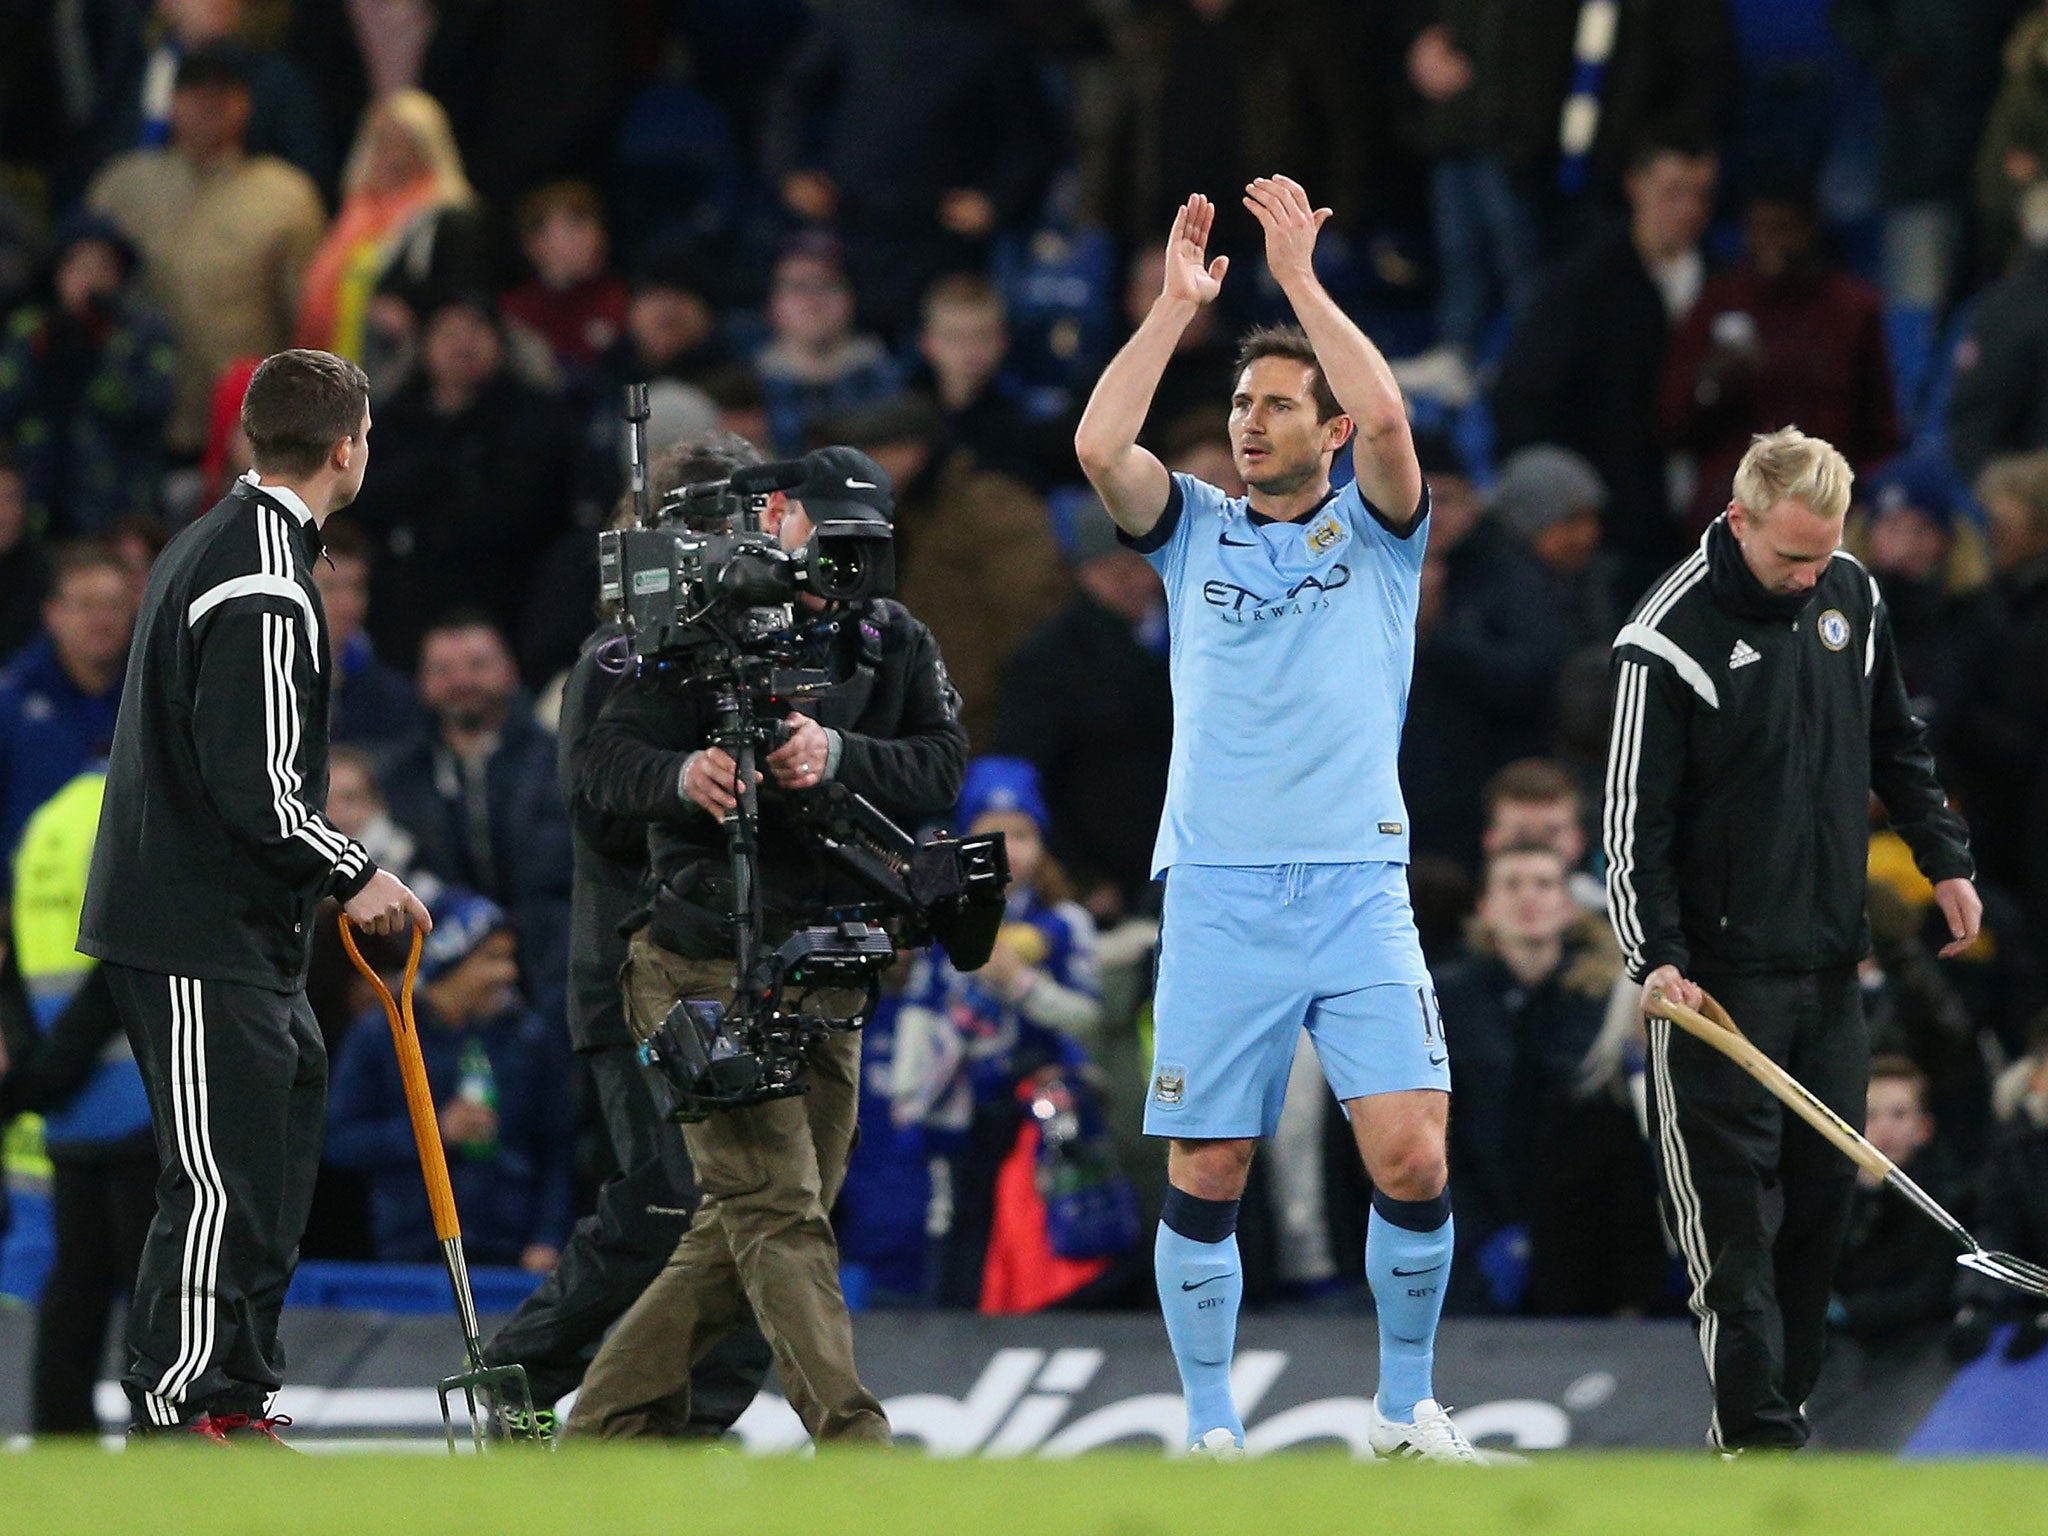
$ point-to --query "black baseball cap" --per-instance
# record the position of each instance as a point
(844, 483)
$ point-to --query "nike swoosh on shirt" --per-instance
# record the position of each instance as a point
(862, 485)
(1410, 1274)
(1238, 543)
(1200, 1283)
(1437, 1061)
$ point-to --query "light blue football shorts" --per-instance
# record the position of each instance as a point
(1249, 955)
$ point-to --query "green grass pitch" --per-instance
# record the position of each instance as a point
(252, 1492)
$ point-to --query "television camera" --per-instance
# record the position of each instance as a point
(711, 601)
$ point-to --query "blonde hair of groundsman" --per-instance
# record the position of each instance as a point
(1787, 464)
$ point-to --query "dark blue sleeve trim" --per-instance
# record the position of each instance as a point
(1421, 511)
(1153, 539)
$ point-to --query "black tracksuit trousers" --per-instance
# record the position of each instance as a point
(237, 1080)
(641, 1215)
(1758, 1202)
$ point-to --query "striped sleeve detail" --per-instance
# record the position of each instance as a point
(1624, 768)
(274, 580)
(281, 730)
(1659, 644)
(281, 743)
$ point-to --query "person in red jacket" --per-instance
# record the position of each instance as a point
(1781, 338)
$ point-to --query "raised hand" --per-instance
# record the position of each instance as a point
(1291, 224)
(1189, 273)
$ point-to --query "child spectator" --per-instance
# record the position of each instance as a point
(572, 301)
(497, 1078)
(356, 806)
(1537, 800)
(1897, 1268)
(1557, 1207)
(965, 1043)
(815, 363)
(964, 343)
(671, 329)
(85, 386)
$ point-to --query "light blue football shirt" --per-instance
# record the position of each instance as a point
(1292, 649)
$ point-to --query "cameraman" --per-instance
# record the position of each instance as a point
(769, 1173)
(643, 1212)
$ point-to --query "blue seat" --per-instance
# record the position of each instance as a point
(1911, 337)
(1058, 287)
(1930, 436)
(408, 1288)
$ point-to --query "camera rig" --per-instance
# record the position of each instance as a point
(708, 601)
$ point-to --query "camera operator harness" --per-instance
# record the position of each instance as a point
(707, 599)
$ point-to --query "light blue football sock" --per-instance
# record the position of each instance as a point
(1201, 1286)
(1408, 1263)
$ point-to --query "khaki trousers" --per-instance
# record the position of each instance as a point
(761, 1237)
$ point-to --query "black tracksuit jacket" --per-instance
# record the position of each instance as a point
(213, 850)
(902, 747)
(1749, 730)
(610, 852)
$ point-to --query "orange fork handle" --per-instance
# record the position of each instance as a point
(412, 1069)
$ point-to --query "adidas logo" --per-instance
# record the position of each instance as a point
(1743, 654)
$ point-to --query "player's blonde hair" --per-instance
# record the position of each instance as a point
(1789, 464)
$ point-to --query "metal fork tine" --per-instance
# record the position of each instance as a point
(2016, 1272)
(507, 1398)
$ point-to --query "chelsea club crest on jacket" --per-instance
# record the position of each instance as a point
(1750, 729)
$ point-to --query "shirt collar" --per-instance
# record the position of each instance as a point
(1735, 586)
(1260, 520)
(285, 497)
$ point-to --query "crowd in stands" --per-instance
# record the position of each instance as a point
(1604, 244)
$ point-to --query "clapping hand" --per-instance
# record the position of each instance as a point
(1190, 276)
(1282, 208)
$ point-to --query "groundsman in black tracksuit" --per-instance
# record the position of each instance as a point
(212, 854)
(1750, 728)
